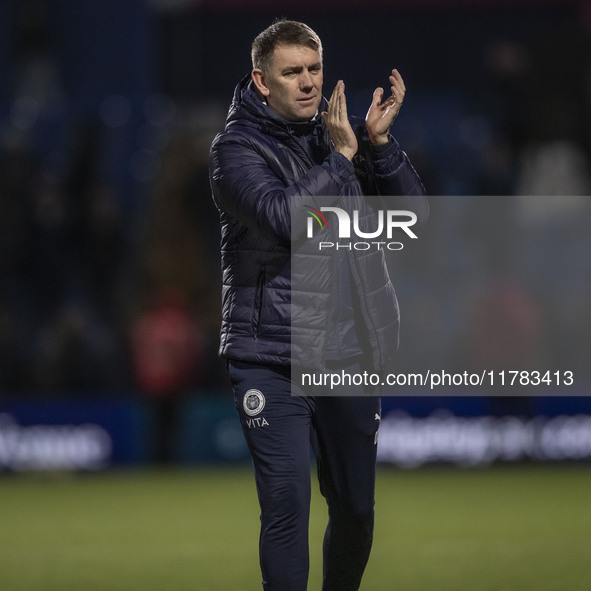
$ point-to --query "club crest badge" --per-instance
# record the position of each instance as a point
(253, 402)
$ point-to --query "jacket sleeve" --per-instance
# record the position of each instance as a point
(391, 175)
(246, 187)
(398, 182)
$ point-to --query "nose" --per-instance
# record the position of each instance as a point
(306, 82)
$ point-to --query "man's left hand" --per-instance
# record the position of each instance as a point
(381, 115)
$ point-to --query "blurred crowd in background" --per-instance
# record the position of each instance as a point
(109, 240)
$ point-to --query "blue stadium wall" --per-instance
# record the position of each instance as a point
(71, 434)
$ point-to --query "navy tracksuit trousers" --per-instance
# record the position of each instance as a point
(279, 428)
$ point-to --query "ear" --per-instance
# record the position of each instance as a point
(259, 81)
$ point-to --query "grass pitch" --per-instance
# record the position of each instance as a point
(502, 529)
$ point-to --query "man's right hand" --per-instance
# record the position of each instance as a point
(339, 128)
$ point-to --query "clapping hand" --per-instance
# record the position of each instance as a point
(381, 114)
(340, 130)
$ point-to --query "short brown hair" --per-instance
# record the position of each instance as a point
(282, 32)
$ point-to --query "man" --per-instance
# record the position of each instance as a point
(283, 144)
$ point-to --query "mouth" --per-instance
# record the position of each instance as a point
(306, 100)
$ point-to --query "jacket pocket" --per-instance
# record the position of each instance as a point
(258, 304)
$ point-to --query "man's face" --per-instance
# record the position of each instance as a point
(293, 86)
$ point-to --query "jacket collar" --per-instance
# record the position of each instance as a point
(246, 105)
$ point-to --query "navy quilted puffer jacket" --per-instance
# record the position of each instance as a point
(262, 168)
